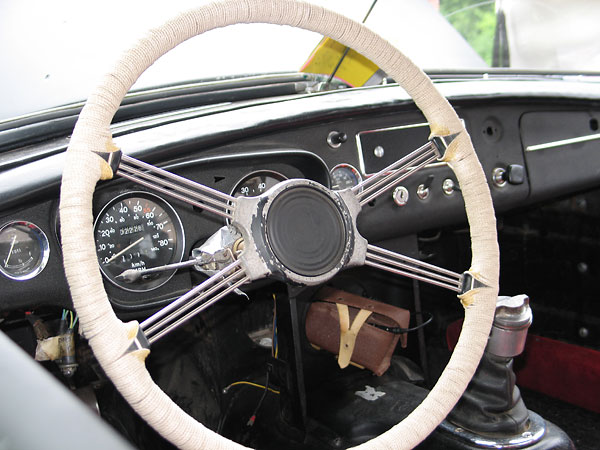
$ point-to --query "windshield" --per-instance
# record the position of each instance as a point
(54, 52)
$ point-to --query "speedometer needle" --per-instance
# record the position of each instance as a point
(132, 275)
(115, 256)
(12, 245)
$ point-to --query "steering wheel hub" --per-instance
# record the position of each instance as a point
(306, 231)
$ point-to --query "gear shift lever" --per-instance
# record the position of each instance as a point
(491, 412)
(492, 403)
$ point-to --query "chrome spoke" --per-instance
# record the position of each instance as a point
(393, 174)
(194, 301)
(396, 263)
(176, 186)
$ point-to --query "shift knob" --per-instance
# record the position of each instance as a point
(509, 331)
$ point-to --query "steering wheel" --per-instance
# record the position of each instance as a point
(121, 348)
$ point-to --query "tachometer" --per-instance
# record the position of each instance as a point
(256, 183)
(138, 231)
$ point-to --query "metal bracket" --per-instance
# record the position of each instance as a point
(140, 342)
(468, 282)
(113, 159)
(442, 143)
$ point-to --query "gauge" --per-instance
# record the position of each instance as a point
(256, 183)
(24, 250)
(138, 231)
(344, 176)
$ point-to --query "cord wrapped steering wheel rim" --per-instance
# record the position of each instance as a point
(110, 338)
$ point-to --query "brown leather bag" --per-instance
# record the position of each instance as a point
(361, 323)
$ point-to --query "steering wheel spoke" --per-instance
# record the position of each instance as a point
(177, 186)
(390, 176)
(396, 172)
(398, 264)
(194, 301)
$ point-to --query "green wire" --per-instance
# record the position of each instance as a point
(73, 318)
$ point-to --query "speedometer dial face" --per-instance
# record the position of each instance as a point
(138, 231)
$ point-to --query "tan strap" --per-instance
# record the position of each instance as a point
(348, 333)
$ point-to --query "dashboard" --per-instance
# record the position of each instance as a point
(524, 134)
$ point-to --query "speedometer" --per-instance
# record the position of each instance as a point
(138, 231)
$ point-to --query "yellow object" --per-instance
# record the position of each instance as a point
(47, 349)
(349, 332)
(249, 383)
(355, 69)
(106, 171)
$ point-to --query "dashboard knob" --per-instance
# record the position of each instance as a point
(513, 174)
(336, 138)
(449, 186)
(423, 192)
(499, 177)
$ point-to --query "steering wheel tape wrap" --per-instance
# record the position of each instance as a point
(110, 338)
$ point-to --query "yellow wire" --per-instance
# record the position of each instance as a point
(71, 325)
(249, 383)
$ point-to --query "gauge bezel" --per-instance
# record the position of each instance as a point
(353, 169)
(180, 232)
(44, 250)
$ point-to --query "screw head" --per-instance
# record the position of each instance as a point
(379, 151)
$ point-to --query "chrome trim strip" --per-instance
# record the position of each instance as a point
(554, 144)
(361, 160)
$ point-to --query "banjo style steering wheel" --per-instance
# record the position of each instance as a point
(265, 224)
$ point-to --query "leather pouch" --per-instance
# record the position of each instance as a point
(361, 331)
